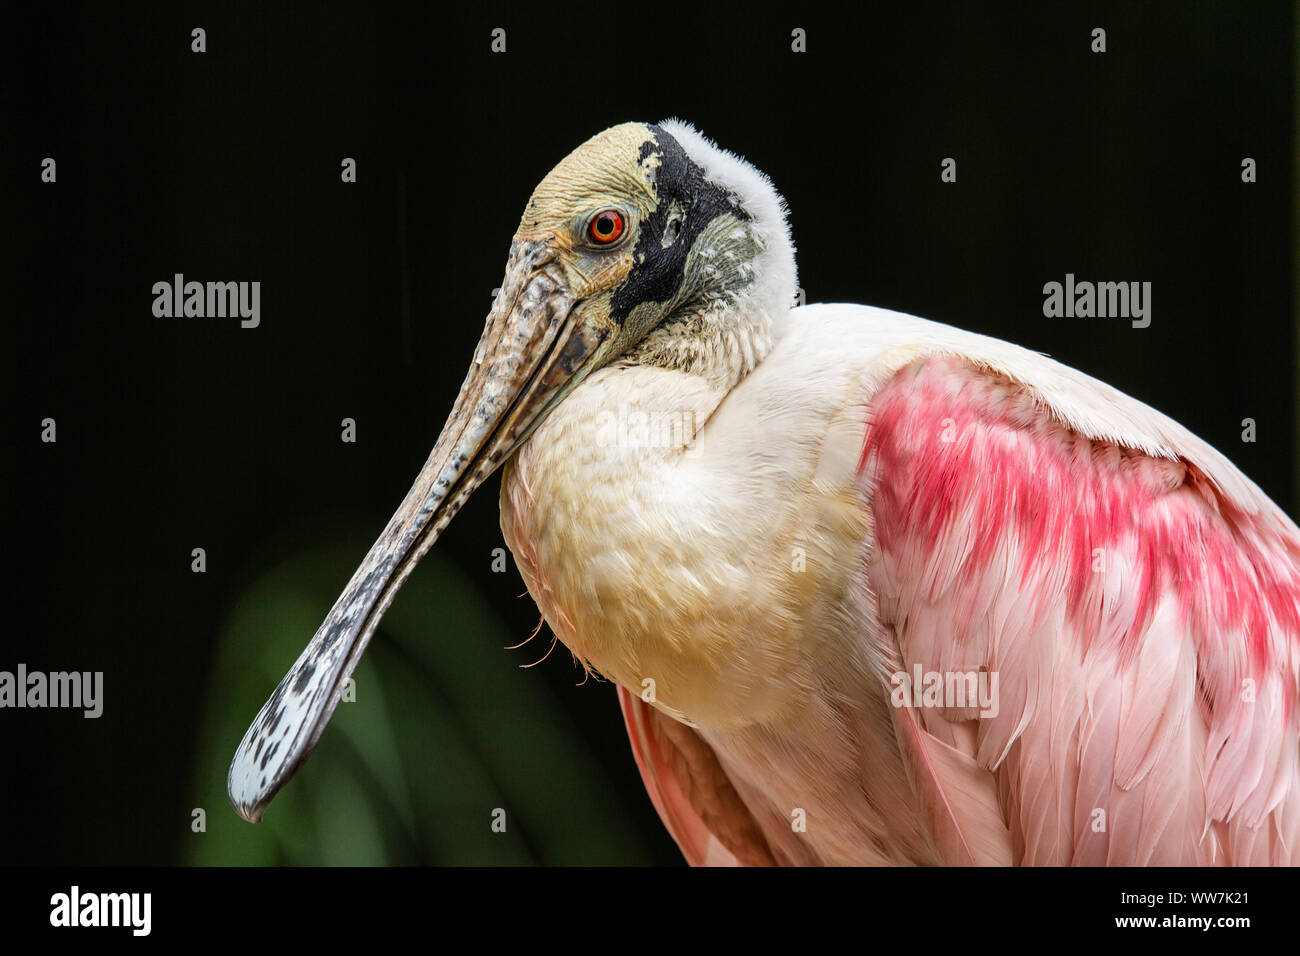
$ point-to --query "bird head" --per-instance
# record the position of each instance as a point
(641, 227)
(643, 230)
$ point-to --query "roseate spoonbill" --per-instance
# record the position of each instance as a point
(873, 589)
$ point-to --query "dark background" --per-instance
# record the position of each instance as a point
(181, 433)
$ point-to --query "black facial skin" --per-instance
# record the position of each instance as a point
(657, 271)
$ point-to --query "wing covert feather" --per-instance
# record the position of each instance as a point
(1141, 623)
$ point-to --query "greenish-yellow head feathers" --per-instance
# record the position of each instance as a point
(652, 222)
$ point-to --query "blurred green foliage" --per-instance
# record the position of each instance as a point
(445, 729)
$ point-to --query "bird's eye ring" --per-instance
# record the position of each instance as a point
(606, 227)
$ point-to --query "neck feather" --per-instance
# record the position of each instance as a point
(722, 344)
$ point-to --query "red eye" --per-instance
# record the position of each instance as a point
(605, 227)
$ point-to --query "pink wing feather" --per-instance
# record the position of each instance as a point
(1140, 613)
(690, 791)
(1142, 624)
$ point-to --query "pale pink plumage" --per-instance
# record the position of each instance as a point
(1140, 611)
